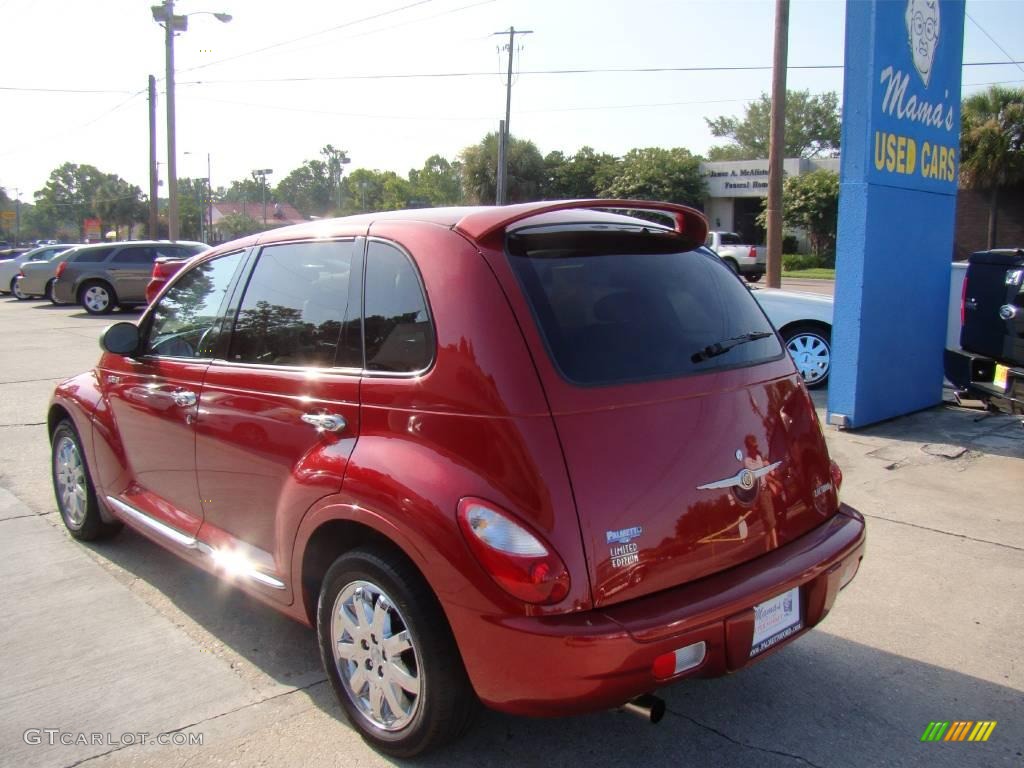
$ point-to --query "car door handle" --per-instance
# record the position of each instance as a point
(183, 397)
(325, 422)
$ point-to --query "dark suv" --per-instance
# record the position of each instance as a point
(101, 277)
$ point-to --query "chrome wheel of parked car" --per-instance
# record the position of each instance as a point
(390, 655)
(76, 498)
(97, 299)
(16, 290)
(811, 350)
(69, 481)
(376, 656)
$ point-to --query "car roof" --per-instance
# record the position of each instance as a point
(478, 222)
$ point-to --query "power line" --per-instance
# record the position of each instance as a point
(59, 90)
(310, 35)
(995, 43)
(596, 70)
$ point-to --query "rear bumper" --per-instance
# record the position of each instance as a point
(590, 661)
(64, 292)
(975, 375)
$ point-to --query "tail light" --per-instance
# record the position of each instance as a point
(163, 270)
(837, 475)
(753, 253)
(518, 560)
(60, 269)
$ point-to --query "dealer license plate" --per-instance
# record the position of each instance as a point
(1001, 376)
(775, 620)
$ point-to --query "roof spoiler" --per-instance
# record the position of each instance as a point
(486, 221)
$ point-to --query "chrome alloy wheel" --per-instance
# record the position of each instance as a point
(16, 289)
(71, 483)
(376, 656)
(812, 355)
(96, 298)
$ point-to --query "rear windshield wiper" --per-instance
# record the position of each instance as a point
(721, 347)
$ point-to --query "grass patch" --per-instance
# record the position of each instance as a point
(817, 273)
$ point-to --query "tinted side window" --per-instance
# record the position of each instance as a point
(93, 255)
(399, 335)
(141, 254)
(185, 321)
(296, 307)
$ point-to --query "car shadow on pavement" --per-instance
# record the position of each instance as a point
(822, 701)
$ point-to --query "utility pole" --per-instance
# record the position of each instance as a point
(777, 143)
(153, 183)
(505, 134)
(172, 164)
(500, 194)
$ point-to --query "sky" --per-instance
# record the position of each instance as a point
(282, 79)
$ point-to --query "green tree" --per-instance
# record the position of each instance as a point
(118, 203)
(335, 161)
(192, 207)
(811, 202)
(363, 190)
(68, 197)
(992, 145)
(242, 189)
(584, 175)
(438, 182)
(526, 173)
(812, 127)
(309, 188)
(238, 225)
(654, 173)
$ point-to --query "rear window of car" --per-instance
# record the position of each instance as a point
(730, 238)
(627, 304)
(92, 256)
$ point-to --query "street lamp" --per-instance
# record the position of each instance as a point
(262, 174)
(164, 15)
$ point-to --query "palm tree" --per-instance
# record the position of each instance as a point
(992, 145)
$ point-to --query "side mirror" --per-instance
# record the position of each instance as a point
(120, 339)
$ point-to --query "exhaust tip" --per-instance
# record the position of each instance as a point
(647, 706)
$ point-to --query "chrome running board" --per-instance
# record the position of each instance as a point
(191, 542)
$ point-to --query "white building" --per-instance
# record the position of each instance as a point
(736, 189)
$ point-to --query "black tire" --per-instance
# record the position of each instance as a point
(754, 278)
(731, 264)
(10, 288)
(810, 346)
(48, 290)
(16, 290)
(97, 297)
(444, 703)
(76, 497)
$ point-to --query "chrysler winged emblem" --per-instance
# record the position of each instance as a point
(745, 479)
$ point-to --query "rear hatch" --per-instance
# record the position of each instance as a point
(690, 442)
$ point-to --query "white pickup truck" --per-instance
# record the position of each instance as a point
(746, 260)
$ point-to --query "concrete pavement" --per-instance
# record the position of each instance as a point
(123, 637)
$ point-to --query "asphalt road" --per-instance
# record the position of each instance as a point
(122, 638)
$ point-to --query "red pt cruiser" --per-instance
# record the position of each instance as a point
(544, 457)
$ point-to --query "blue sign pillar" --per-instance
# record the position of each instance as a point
(897, 206)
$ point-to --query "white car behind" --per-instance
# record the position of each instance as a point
(10, 268)
(804, 320)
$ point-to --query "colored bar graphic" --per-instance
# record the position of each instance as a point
(958, 730)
